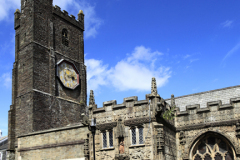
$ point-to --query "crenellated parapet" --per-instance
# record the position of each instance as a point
(216, 113)
(132, 111)
(70, 18)
(130, 108)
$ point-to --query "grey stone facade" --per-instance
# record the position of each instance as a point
(211, 117)
(45, 35)
(49, 119)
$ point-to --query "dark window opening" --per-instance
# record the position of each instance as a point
(65, 40)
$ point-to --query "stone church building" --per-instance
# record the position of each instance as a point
(49, 118)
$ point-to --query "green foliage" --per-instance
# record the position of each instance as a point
(169, 114)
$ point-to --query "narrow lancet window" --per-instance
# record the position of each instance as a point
(65, 40)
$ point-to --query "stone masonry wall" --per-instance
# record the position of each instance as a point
(217, 117)
(61, 143)
(133, 114)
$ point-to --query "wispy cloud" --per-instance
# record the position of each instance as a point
(215, 80)
(232, 51)
(6, 6)
(186, 56)
(131, 73)
(193, 60)
(92, 21)
(6, 80)
(227, 24)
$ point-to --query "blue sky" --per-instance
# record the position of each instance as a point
(189, 46)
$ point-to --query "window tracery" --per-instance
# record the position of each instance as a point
(212, 147)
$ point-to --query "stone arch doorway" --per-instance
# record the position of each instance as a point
(212, 146)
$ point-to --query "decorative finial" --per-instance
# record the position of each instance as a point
(154, 86)
(91, 98)
(80, 12)
(17, 10)
(172, 100)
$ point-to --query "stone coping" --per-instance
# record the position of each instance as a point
(79, 125)
(51, 145)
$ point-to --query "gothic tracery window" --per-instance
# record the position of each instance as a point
(212, 147)
(65, 40)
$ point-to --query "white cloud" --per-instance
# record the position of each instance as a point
(227, 24)
(232, 51)
(63, 3)
(193, 60)
(96, 73)
(186, 56)
(132, 73)
(6, 6)
(6, 80)
(92, 22)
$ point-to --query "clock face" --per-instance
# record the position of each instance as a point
(68, 74)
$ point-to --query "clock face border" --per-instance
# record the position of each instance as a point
(73, 67)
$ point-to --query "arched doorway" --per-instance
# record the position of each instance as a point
(212, 146)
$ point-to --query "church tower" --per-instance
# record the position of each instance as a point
(49, 75)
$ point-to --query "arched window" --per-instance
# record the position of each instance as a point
(212, 147)
(65, 40)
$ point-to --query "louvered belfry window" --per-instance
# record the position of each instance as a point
(65, 40)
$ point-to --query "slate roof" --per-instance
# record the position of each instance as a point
(3, 143)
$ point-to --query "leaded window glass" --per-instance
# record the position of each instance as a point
(212, 147)
(207, 157)
(218, 156)
(133, 136)
(104, 140)
(197, 157)
(140, 135)
(110, 139)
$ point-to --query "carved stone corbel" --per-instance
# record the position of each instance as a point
(182, 138)
(238, 130)
(86, 148)
(120, 129)
(160, 140)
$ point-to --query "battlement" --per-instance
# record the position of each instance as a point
(211, 106)
(127, 102)
(215, 112)
(70, 18)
